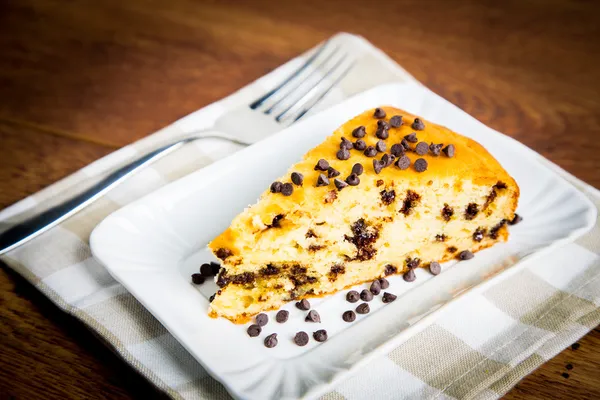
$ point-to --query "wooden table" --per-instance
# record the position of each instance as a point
(80, 79)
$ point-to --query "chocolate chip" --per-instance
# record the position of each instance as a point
(303, 305)
(403, 162)
(370, 151)
(478, 234)
(320, 335)
(435, 149)
(352, 296)
(276, 187)
(342, 154)
(349, 316)
(387, 159)
(215, 268)
(322, 180)
(379, 182)
(339, 184)
(379, 113)
(420, 165)
(575, 346)
(465, 255)
(397, 150)
(346, 144)
(366, 295)
(262, 319)
(471, 211)
(413, 263)
(254, 330)
(418, 125)
(412, 138)
(516, 219)
(440, 238)
(447, 212)
(390, 269)
(388, 297)
(360, 144)
(409, 276)
(380, 146)
(359, 132)
(332, 172)
(422, 148)
(206, 269)
(287, 189)
(197, 279)
(357, 169)
(276, 223)
(382, 133)
(375, 288)
(322, 165)
(384, 283)
(565, 375)
(353, 179)
(405, 144)
(212, 297)
(569, 366)
(396, 121)
(313, 316)
(435, 268)
(282, 316)
(271, 340)
(297, 178)
(378, 166)
(382, 124)
(449, 150)
(301, 338)
(363, 308)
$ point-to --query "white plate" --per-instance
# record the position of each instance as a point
(153, 245)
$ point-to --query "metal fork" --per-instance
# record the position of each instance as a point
(283, 105)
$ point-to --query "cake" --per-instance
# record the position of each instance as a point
(387, 192)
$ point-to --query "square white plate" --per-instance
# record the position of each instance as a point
(153, 245)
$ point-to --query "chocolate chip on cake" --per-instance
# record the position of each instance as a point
(388, 297)
(287, 189)
(301, 338)
(422, 148)
(409, 276)
(262, 319)
(276, 187)
(342, 154)
(303, 305)
(322, 165)
(254, 330)
(360, 144)
(435, 268)
(420, 165)
(313, 316)
(440, 238)
(370, 151)
(379, 113)
(412, 138)
(380, 146)
(346, 144)
(359, 132)
(418, 125)
(516, 219)
(382, 124)
(320, 335)
(397, 150)
(349, 316)
(465, 255)
(384, 283)
(379, 182)
(413, 263)
(382, 133)
(375, 288)
(353, 179)
(390, 269)
(198, 279)
(378, 166)
(447, 212)
(282, 316)
(435, 149)
(471, 211)
(403, 162)
(332, 172)
(449, 150)
(396, 121)
(357, 169)
(363, 308)
(366, 295)
(388, 159)
(271, 340)
(405, 144)
(322, 180)
(339, 184)
(352, 296)
(297, 178)
(479, 234)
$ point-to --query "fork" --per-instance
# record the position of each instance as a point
(285, 104)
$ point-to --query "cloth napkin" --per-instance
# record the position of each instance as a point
(479, 347)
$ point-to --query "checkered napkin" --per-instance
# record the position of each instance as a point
(479, 347)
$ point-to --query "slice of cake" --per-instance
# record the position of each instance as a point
(386, 193)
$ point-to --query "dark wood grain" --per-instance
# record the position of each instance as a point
(79, 79)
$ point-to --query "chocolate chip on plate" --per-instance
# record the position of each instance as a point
(449, 150)
(357, 169)
(359, 132)
(420, 165)
(313, 316)
(517, 218)
(435, 149)
(320, 335)
(418, 125)
(379, 113)
(282, 316)
(215, 267)
(366, 295)
(388, 297)
(322, 180)
(435, 268)
(384, 283)
(254, 330)
(322, 165)
(276, 187)
(332, 172)
(297, 178)
(346, 144)
(360, 144)
(197, 279)
(403, 162)
(303, 305)
(212, 297)
(353, 179)
(206, 269)
(375, 288)
(422, 148)
(382, 133)
(378, 166)
(301, 338)
(409, 276)
(349, 316)
(271, 340)
(397, 150)
(363, 308)
(380, 146)
(465, 255)
(396, 121)
(287, 189)
(370, 151)
(339, 184)
(342, 154)
(262, 319)
(412, 138)
(352, 296)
